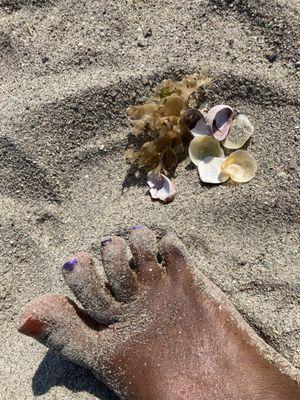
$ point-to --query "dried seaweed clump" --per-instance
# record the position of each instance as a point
(160, 119)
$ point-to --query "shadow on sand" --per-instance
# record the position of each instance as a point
(55, 371)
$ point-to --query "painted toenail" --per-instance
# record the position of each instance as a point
(106, 242)
(69, 265)
(137, 227)
(31, 327)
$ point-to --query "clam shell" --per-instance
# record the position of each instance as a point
(161, 187)
(201, 128)
(196, 123)
(240, 166)
(219, 119)
(202, 147)
(210, 170)
(240, 131)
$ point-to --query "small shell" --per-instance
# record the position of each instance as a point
(201, 128)
(240, 166)
(195, 122)
(240, 131)
(210, 170)
(219, 119)
(202, 147)
(161, 187)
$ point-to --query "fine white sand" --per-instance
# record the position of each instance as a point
(69, 69)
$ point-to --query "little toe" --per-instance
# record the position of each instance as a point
(55, 322)
(144, 250)
(82, 278)
(121, 278)
(174, 254)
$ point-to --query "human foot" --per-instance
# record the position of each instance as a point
(161, 332)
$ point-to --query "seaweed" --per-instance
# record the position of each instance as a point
(161, 120)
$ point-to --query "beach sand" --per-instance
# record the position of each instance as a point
(69, 69)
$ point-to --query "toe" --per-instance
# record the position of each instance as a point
(144, 250)
(121, 278)
(56, 323)
(174, 254)
(82, 278)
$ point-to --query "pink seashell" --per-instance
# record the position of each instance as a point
(219, 119)
(161, 187)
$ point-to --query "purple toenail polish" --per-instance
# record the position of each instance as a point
(69, 265)
(106, 242)
(137, 227)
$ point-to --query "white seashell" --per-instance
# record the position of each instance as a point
(240, 166)
(201, 128)
(210, 170)
(240, 131)
(161, 187)
(202, 147)
(219, 119)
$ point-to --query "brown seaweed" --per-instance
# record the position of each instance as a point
(161, 119)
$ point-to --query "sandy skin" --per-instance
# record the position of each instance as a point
(160, 331)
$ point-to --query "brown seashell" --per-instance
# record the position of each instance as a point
(195, 121)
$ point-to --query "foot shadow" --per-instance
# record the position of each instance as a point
(55, 371)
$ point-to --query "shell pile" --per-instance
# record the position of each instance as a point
(215, 128)
(167, 123)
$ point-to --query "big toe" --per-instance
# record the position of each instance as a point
(57, 323)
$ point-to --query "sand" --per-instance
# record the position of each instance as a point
(69, 69)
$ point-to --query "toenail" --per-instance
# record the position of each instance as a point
(137, 227)
(69, 265)
(106, 242)
(31, 327)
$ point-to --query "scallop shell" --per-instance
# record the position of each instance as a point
(219, 119)
(161, 187)
(240, 131)
(202, 147)
(240, 166)
(210, 170)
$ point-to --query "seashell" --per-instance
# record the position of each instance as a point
(195, 122)
(210, 170)
(219, 119)
(240, 131)
(240, 166)
(161, 187)
(202, 147)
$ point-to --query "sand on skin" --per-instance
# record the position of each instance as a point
(69, 69)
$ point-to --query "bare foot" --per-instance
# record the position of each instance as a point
(159, 333)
